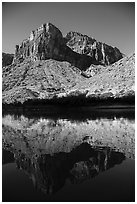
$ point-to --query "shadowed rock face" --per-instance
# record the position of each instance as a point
(7, 59)
(47, 42)
(49, 173)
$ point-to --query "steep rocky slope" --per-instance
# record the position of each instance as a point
(50, 79)
(116, 81)
(7, 59)
(38, 80)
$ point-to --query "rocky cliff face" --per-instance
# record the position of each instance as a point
(81, 51)
(42, 44)
(47, 42)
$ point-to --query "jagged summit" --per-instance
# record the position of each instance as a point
(47, 42)
(71, 34)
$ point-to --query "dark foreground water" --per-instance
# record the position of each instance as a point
(58, 154)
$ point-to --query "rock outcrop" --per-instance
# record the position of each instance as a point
(81, 51)
(7, 59)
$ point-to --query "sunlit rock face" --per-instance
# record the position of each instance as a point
(47, 136)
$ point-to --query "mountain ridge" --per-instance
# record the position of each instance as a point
(45, 69)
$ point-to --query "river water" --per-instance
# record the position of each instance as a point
(68, 154)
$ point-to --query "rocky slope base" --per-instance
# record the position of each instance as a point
(44, 80)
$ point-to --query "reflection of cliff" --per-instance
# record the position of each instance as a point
(49, 173)
(48, 136)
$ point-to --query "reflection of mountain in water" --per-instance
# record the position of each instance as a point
(49, 173)
(41, 135)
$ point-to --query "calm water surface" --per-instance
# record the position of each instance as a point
(79, 154)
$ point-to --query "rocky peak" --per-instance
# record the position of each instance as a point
(73, 35)
(47, 42)
(40, 44)
(99, 51)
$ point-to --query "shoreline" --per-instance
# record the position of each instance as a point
(79, 113)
